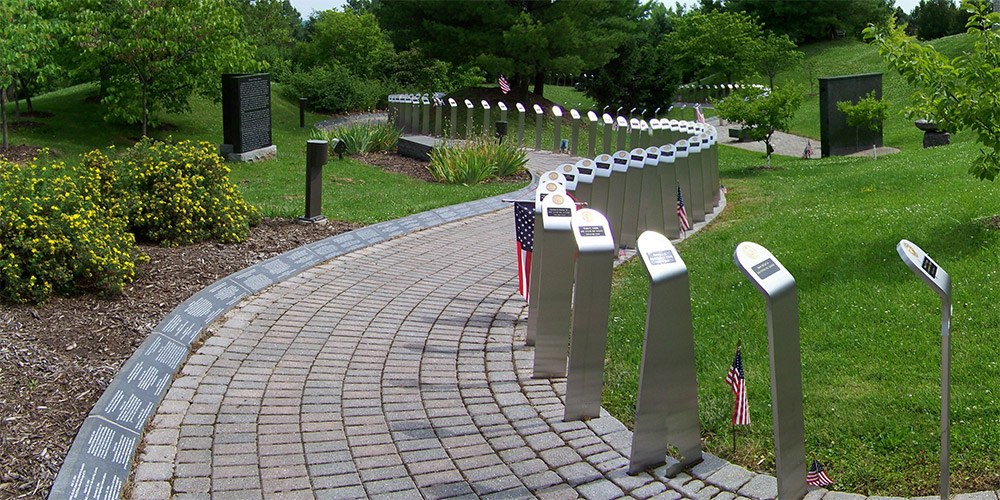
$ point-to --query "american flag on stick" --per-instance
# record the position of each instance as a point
(681, 213)
(524, 229)
(817, 476)
(504, 86)
(735, 380)
(698, 114)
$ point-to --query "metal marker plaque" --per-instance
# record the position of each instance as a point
(635, 133)
(539, 119)
(778, 287)
(608, 123)
(246, 111)
(555, 287)
(666, 406)
(938, 280)
(487, 124)
(575, 130)
(520, 124)
(622, 124)
(591, 302)
(557, 114)
(706, 168)
(592, 138)
(545, 189)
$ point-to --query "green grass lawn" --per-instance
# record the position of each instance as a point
(352, 191)
(870, 329)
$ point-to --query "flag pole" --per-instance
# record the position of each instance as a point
(732, 398)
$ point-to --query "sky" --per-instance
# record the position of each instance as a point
(306, 7)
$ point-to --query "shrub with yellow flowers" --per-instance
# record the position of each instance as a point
(57, 236)
(173, 194)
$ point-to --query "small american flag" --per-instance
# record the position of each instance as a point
(524, 229)
(808, 153)
(681, 213)
(817, 476)
(697, 113)
(734, 378)
(723, 189)
(504, 86)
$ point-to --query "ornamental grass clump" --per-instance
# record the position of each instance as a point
(475, 161)
(364, 137)
(56, 235)
(173, 194)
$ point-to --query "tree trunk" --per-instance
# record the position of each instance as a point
(539, 83)
(26, 90)
(17, 102)
(103, 76)
(144, 119)
(3, 114)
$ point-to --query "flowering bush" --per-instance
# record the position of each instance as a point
(173, 194)
(55, 235)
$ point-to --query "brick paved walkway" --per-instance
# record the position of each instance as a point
(395, 371)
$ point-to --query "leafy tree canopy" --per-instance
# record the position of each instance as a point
(807, 21)
(957, 93)
(352, 40)
(715, 42)
(761, 112)
(159, 52)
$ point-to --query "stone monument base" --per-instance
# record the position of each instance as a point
(265, 153)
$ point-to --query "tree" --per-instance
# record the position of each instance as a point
(937, 18)
(522, 39)
(762, 112)
(354, 41)
(959, 93)
(159, 52)
(816, 19)
(715, 42)
(776, 53)
(26, 42)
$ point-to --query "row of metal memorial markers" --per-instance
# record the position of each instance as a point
(633, 200)
(432, 114)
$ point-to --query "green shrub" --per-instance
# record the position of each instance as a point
(476, 160)
(55, 235)
(363, 137)
(173, 194)
(332, 88)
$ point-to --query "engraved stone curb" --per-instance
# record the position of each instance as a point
(99, 460)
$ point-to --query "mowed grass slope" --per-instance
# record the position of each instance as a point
(352, 191)
(870, 329)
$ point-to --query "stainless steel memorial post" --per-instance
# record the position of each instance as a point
(425, 112)
(602, 184)
(778, 287)
(622, 133)
(438, 116)
(666, 403)
(668, 191)
(635, 133)
(557, 114)
(682, 166)
(555, 287)
(453, 128)
(520, 124)
(539, 121)
(487, 125)
(631, 200)
(545, 188)
(939, 281)
(609, 126)
(592, 138)
(650, 202)
(407, 112)
(591, 302)
(415, 116)
(469, 126)
(616, 195)
(574, 136)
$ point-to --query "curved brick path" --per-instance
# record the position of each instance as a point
(395, 371)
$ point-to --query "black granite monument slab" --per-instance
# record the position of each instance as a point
(837, 138)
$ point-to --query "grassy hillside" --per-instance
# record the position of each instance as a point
(276, 187)
(849, 56)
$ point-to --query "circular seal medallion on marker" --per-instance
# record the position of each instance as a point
(586, 163)
(910, 250)
(551, 186)
(588, 215)
(553, 176)
(750, 250)
(558, 199)
(567, 168)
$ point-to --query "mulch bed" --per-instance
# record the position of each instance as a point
(18, 154)
(391, 161)
(57, 358)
